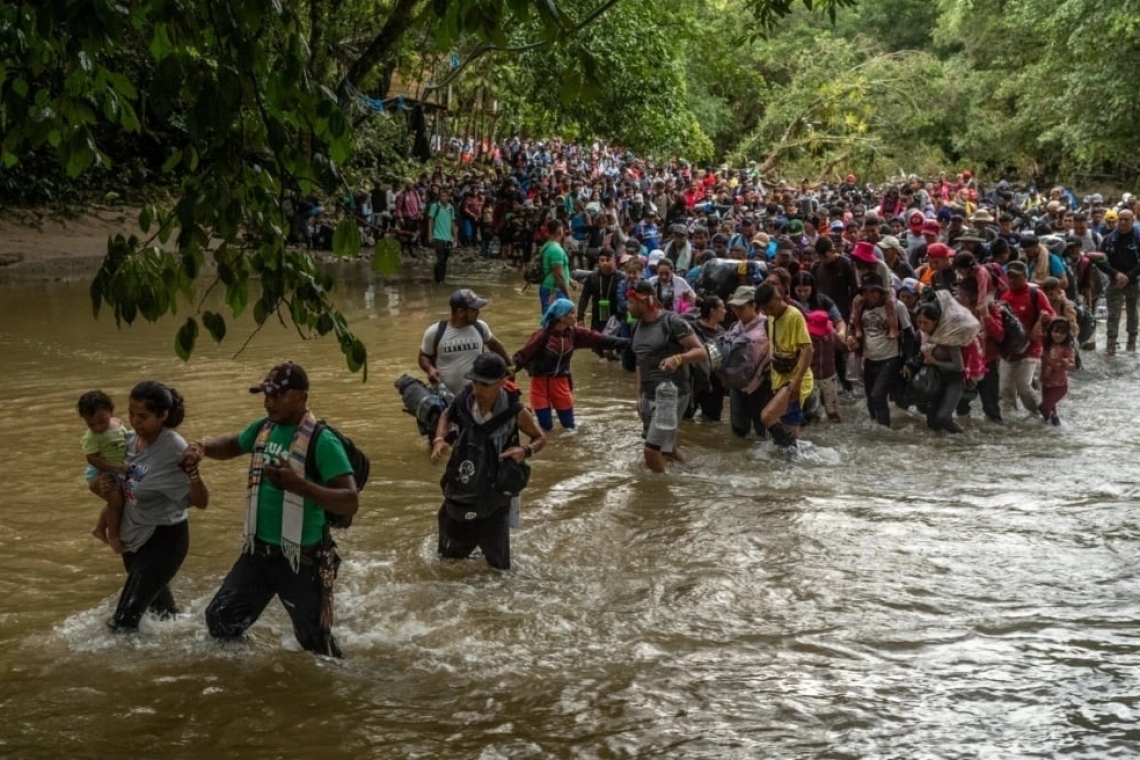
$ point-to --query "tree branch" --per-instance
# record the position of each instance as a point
(484, 48)
(400, 19)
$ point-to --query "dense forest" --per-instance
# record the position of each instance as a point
(235, 105)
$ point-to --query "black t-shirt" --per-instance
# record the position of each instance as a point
(836, 279)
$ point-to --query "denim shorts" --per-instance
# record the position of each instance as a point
(794, 416)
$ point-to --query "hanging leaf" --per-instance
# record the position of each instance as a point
(185, 339)
(386, 257)
(346, 239)
(215, 325)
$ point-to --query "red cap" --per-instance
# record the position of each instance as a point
(938, 251)
(916, 220)
(966, 174)
(930, 227)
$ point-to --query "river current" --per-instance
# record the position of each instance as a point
(885, 594)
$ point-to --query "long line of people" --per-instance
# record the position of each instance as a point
(865, 270)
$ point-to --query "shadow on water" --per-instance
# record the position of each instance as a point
(886, 593)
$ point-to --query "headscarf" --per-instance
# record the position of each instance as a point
(557, 311)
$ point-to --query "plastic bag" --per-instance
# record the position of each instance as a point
(613, 327)
(958, 326)
(926, 383)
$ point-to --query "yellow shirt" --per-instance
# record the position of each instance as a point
(788, 335)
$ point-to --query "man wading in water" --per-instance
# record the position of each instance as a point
(286, 541)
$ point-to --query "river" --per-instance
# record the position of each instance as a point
(886, 594)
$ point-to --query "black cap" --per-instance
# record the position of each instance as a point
(488, 368)
(466, 299)
(284, 377)
(871, 281)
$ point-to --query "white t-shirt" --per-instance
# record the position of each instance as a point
(876, 345)
(457, 350)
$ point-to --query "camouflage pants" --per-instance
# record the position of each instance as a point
(1117, 297)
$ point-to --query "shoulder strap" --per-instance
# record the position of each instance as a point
(502, 417)
(311, 472)
(440, 329)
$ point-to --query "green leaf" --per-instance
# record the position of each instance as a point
(386, 257)
(355, 354)
(346, 238)
(185, 339)
(215, 324)
(171, 161)
(146, 216)
(237, 295)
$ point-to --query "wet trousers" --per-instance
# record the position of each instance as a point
(149, 571)
(879, 379)
(254, 580)
(1017, 383)
(459, 538)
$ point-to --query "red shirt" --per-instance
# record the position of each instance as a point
(1028, 304)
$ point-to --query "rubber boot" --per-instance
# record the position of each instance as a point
(1131, 344)
(781, 436)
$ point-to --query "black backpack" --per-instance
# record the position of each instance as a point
(471, 483)
(1016, 338)
(361, 467)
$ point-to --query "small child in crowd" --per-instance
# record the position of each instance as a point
(105, 444)
(824, 342)
(1056, 361)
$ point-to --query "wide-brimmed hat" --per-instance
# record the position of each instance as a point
(865, 253)
(981, 215)
(819, 324)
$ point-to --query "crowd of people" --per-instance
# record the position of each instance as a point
(709, 286)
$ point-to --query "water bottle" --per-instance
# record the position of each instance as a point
(665, 416)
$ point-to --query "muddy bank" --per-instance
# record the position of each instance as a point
(39, 245)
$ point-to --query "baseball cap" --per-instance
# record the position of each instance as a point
(938, 251)
(286, 376)
(917, 219)
(488, 368)
(838, 226)
(871, 281)
(742, 295)
(910, 285)
(930, 227)
(466, 299)
(890, 241)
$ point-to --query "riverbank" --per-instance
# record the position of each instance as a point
(44, 245)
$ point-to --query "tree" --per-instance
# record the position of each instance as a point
(247, 99)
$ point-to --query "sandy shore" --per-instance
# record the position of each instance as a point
(38, 244)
